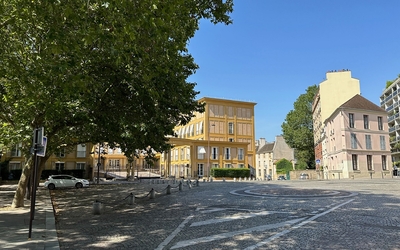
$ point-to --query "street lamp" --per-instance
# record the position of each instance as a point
(209, 151)
(98, 165)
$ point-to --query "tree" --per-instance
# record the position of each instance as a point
(283, 166)
(96, 71)
(298, 128)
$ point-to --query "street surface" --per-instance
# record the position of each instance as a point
(341, 214)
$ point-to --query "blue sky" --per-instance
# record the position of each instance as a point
(275, 49)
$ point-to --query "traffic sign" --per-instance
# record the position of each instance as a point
(318, 161)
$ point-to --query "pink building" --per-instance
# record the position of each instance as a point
(357, 141)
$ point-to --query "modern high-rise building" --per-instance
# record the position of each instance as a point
(390, 100)
(338, 88)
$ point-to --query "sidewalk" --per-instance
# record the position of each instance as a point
(14, 223)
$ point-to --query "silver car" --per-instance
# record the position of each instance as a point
(62, 181)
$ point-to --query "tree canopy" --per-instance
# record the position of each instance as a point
(298, 128)
(95, 71)
(283, 166)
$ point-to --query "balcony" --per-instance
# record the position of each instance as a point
(389, 108)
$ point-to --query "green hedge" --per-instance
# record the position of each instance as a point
(230, 172)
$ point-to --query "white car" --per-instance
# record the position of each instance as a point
(63, 180)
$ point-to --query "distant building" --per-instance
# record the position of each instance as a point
(268, 153)
(338, 87)
(357, 141)
(390, 100)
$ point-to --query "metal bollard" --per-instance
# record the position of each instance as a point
(152, 193)
(234, 179)
(131, 199)
(211, 179)
(240, 178)
(197, 182)
(169, 189)
(97, 207)
(204, 180)
(180, 186)
(223, 179)
(189, 184)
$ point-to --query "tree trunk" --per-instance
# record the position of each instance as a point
(19, 196)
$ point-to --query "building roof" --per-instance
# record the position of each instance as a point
(268, 147)
(359, 102)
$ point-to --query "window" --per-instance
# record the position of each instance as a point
(80, 165)
(231, 140)
(366, 123)
(227, 153)
(176, 154)
(201, 151)
(187, 153)
(351, 120)
(228, 165)
(59, 166)
(14, 165)
(354, 161)
(382, 142)
(113, 164)
(182, 153)
(81, 150)
(241, 154)
(384, 167)
(230, 128)
(200, 169)
(61, 153)
(353, 141)
(214, 153)
(380, 123)
(241, 165)
(369, 162)
(215, 165)
(16, 150)
(368, 142)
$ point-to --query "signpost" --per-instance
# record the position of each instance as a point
(37, 143)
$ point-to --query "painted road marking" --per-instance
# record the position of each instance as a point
(266, 241)
(192, 242)
(234, 217)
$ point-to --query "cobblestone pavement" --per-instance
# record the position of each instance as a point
(342, 214)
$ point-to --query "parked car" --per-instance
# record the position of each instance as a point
(62, 181)
(304, 176)
(268, 177)
(281, 178)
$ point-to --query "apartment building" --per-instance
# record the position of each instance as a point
(357, 141)
(338, 87)
(79, 158)
(221, 137)
(389, 101)
(268, 153)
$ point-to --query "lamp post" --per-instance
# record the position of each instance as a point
(98, 165)
(209, 151)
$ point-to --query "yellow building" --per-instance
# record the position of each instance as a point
(221, 137)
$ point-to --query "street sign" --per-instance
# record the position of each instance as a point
(318, 161)
(42, 149)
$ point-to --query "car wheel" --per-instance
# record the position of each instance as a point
(78, 185)
(51, 186)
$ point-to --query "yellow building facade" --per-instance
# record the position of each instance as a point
(221, 137)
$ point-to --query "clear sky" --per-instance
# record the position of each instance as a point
(275, 49)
